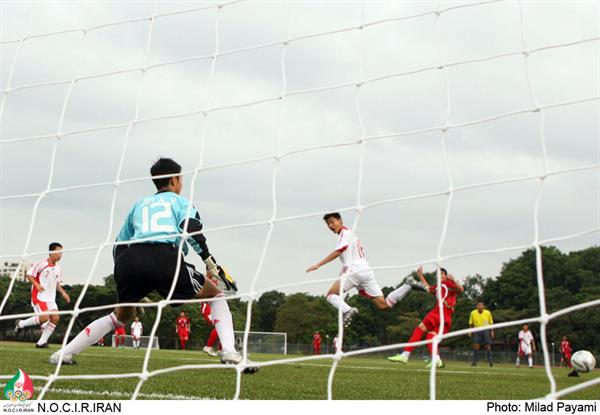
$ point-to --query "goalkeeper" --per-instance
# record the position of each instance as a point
(143, 267)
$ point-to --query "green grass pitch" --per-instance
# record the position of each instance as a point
(356, 378)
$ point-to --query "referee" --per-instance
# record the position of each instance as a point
(481, 317)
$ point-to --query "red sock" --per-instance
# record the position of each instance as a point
(182, 343)
(212, 338)
(417, 335)
(430, 345)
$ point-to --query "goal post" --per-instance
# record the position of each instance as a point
(128, 343)
(263, 342)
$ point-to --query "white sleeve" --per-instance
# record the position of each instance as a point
(344, 241)
(521, 336)
(34, 269)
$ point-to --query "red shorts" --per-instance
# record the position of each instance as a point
(120, 331)
(183, 335)
(432, 320)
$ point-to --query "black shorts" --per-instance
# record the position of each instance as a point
(143, 268)
(482, 337)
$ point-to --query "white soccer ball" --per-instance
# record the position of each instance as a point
(583, 361)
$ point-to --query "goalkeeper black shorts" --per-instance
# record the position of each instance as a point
(144, 268)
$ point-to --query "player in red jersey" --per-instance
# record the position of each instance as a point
(566, 351)
(120, 337)
(213, 336)
(431, 324)
(183, 329)
(317, 343)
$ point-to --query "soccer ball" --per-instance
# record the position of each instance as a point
(583, 361)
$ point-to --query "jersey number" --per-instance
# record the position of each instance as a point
(151, 223)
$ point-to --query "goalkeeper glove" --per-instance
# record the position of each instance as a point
(226, 282)
(211, 268)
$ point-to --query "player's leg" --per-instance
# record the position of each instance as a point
(212, 339)
(488, 347)
(93, 332)
(369, 288)
(530, 359)
(222, 320)
(407, 285)
(49, 328)
(475, 350)
(416, 336)
(31, 321)
(333, 297)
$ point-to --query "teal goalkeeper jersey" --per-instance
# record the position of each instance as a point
(161, 217)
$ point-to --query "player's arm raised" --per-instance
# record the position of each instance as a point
(422, 278)
(335, 254)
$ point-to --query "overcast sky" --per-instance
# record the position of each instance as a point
(402, 232)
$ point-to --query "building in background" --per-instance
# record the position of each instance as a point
(7, 269)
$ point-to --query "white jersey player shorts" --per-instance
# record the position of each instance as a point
(364, 282)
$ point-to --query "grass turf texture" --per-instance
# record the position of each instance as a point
(356, 378)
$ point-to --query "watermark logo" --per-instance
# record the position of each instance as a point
(19, 388)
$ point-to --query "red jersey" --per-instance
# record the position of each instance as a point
(183, 324)
(205, 310)
(449, 293)
(565, 347)
(316, 338)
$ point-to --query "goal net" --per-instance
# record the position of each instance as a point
(145, 341)
(262, 342)
(393, 113)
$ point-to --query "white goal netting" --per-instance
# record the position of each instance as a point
(138, 79)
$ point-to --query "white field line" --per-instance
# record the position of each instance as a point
(118, 395)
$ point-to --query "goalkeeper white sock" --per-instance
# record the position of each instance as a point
(92, 333)
(48, 330)
(530, 360)
(338, 303)
(31, 321)
(224, 324)
(398, 294)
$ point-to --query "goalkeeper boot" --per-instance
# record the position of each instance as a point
(236, 358)
(573, 374)
(438, 363)
(67, 359)
(348, 316)
(210, 351)
(412, 283)
(400, 358)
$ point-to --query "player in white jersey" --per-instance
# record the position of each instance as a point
(357, 272)
(526, 346)
(46, 278)
(136, 332)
